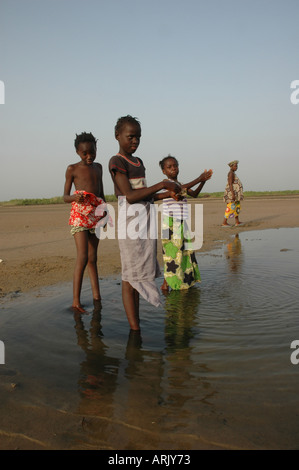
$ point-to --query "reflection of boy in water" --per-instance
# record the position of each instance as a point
(96, 383)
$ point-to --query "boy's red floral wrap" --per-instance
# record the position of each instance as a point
(84, 214)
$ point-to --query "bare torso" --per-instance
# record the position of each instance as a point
(87, 178)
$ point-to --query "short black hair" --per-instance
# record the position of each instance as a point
(84, 137)
(162, 162)
(125, 120)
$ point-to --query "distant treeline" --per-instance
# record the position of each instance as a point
(45, 201)
(112, 198)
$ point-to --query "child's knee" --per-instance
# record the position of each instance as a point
(92, 259)
(82, 258)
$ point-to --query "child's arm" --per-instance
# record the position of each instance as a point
(136, 195)
(206, 175)
(166, 194)
(101, 186)
(69, 179)
(231, 177)
(195, 192)
(160, 196)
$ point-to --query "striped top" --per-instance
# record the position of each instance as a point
(175, 209)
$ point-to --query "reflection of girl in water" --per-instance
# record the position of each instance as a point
(182, 309)
(234, 251)
(184, 379)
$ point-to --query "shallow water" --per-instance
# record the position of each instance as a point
(211, 368)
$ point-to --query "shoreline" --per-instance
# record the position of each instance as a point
(37, 249)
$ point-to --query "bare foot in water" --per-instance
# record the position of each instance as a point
(164, 286)
(79, 309)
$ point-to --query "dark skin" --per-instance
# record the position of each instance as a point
(171, 170)
(85, 175)
(230, 180)
(129, 138)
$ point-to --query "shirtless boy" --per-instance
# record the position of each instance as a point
(87, 178)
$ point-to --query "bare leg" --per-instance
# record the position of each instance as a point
(238, 221)
(81, 241)
(131, 304)
(93, 243)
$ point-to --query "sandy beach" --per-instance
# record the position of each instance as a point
(37, 250)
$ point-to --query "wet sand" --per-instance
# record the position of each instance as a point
(37, 249)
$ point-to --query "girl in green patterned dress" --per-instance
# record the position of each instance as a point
(180, 265)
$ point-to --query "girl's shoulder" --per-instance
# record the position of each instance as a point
(125, 161)
(116, 163)
(132, 168)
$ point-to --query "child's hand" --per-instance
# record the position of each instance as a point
(206, 175)
(172, 186)
(79, 197)
(175, 196)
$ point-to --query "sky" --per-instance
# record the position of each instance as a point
(210, 82)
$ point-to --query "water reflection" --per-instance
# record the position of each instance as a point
(211, 357)
(212, 366)
(234, 254)
(146, 392)
(98, 372)
(181, 312)
(185, 372)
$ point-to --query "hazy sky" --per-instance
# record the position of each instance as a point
(209, 80)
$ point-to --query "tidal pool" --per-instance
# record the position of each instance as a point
(211, 369)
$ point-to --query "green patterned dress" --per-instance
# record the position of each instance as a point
(180, 265)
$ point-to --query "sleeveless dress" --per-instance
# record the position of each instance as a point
(233, 207)
(138, 248)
